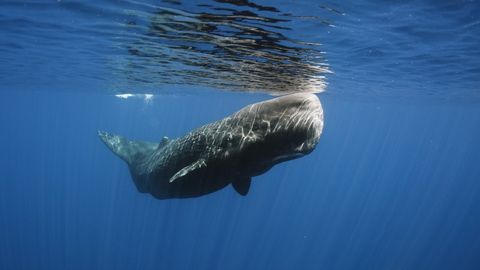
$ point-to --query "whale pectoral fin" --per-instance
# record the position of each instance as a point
(242, 186)
(188, 169)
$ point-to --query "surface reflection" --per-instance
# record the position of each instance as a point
(232, 45)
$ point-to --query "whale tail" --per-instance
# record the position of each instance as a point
(129, 151)
(132, 152)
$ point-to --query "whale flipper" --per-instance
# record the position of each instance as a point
(242, 186)
(190, 168)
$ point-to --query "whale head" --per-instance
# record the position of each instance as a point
(280, 129)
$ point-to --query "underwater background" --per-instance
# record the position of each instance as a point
(393, 184)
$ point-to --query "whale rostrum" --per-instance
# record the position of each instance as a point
(229, 151)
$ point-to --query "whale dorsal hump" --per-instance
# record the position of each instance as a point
(164, 141)
(188, 169)
(242, 186)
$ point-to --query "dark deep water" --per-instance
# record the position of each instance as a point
(393, 184)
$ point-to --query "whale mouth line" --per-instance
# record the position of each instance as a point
(287, 157)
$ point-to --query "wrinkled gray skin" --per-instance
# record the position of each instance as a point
(229, 151)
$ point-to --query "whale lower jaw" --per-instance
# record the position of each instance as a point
(283, 158)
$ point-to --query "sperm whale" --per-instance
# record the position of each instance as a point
(229, 151)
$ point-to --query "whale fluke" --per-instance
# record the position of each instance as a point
(129, 151)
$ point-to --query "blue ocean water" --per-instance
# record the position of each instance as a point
(393, 184)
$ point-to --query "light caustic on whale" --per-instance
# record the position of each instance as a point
(229, 151)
